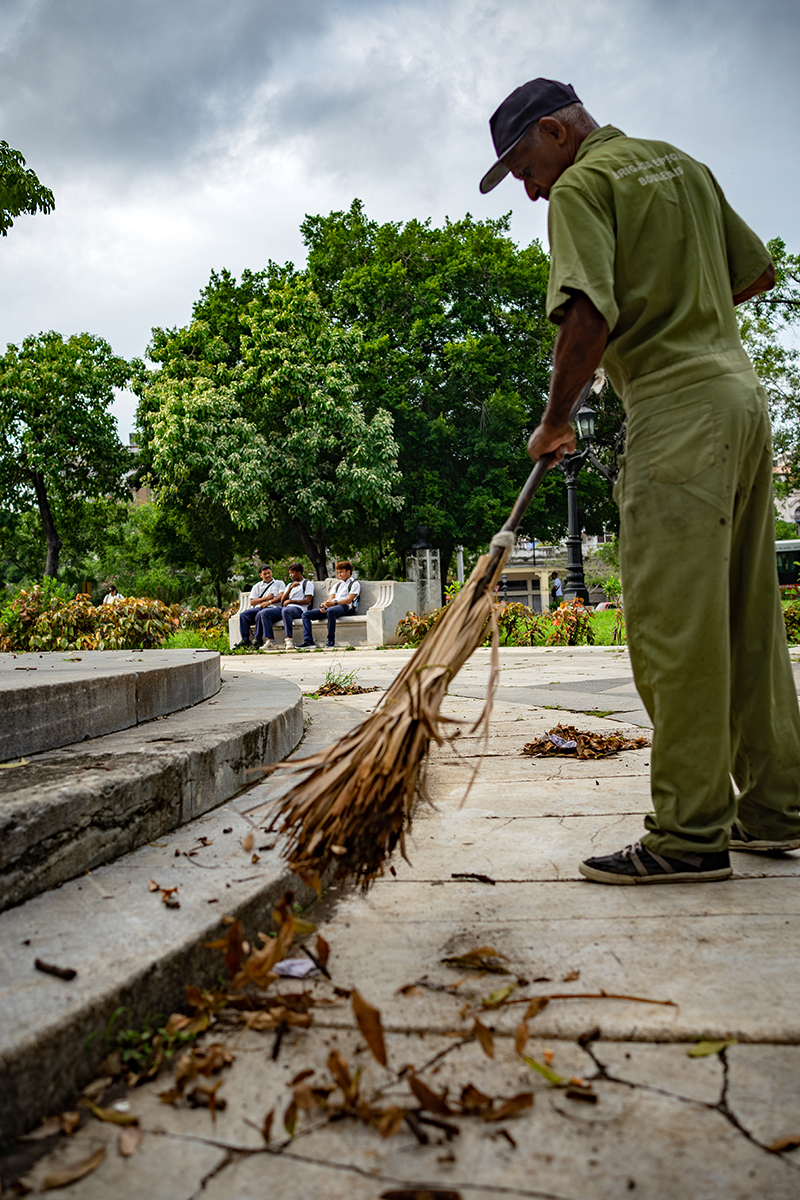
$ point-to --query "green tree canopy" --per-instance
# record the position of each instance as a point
(766, 324)
(278, 437)
(20, 189)
(59, 446)
(457, 347)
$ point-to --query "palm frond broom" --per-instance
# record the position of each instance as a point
(355, 802)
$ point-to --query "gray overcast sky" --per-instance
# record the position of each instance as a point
(185, 135)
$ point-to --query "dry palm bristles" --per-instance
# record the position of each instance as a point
(355, 803)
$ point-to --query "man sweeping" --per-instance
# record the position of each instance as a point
(647, 262)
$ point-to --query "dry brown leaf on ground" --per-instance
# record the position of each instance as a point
(588, 744)
(473, 1100)
(339, 1069)
(266, 1128)
(430, 1100)
(482, 958)
(536, 1005)
(152, 886)
(257, 967)
(521, 1037)
(63, 1122)
(180, 1023)
(369, 1022)
(168, 897)
(270, 1018)
(129, 1140)
(497, 998)
(323, 950)
(206, 1097)
(111, 1115)
(213, 1058)
(510, 1108)
(420, 1194)
(785, 1143)
(67, 1175)
(485, 1037)
(248, 841)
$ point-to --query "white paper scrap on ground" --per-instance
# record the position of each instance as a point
(295, 968)
(562, 743)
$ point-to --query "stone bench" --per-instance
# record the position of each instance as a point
(383, 603)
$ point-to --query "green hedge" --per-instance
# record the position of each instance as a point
(44, 617)
(518, 625)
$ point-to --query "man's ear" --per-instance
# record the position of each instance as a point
(552, 127)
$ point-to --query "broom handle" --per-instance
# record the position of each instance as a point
(538, 473)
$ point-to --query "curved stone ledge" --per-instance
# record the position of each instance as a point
(55, 699)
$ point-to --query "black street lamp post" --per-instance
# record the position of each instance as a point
(575, 584)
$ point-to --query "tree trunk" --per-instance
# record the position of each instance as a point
(314, 547)
(218, 587)
(54, 542)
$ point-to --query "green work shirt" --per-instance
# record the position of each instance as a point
(645, 232)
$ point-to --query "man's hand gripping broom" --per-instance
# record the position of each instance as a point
(355, 802)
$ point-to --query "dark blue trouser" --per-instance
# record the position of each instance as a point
(246, 619)
(317, 614)
(289, 613)
(264, 621)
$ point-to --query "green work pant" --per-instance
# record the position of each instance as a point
(703, 615)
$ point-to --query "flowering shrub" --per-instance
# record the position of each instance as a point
(791, 619)
(44, 618)
(571, 625)
(411, 629)
(19, 615)
(519, 625)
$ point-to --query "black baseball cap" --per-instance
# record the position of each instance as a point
(517, 113)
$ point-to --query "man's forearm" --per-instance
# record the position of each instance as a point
(579, 348)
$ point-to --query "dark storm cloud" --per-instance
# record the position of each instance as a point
(142, 81)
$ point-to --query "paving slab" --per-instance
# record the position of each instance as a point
(659, 1118)
(54, 699)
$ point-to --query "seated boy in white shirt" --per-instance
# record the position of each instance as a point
(342, 600)
(262, 595)
(290, 605)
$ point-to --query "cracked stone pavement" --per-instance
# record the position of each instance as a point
(664, 1124)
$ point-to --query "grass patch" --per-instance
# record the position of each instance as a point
(195, 639)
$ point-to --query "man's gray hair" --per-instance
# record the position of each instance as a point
(571, 114)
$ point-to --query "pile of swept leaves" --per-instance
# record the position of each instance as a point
(588, 745)
(338, 689)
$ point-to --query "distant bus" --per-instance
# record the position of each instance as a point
(788, 555)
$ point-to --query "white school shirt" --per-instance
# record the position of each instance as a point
(263, 589)
(299, 590)
(346, 587)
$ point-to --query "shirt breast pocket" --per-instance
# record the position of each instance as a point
(681, 442)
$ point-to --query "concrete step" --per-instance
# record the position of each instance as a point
(129, 950)
(53, 699)
(68, 810)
